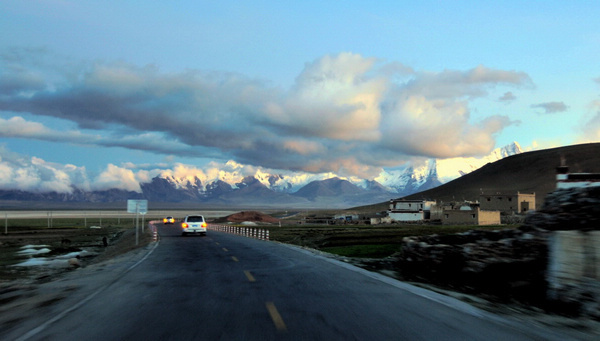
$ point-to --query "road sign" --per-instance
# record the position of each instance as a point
(137, 206)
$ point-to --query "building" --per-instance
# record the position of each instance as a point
(564, 179)
(517, 203)
(409, 210)
(470, 216)
(347, 218)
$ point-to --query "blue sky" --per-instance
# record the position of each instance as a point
(106, 92)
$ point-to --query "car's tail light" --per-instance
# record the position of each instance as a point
(203, 224)
(184, 225)
(165, 220)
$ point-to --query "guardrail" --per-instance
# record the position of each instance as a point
(256, 233)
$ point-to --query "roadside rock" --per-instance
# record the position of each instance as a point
(504, 264)
(550, 262)
(568, 209)
(573, 217)
(74, 262)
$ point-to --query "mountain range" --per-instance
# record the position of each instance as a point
(273, 190)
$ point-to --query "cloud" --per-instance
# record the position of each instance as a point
(119, 178)
(454, 84)
(551, 107)
(18, 172)
(18, 127)
(345, 113)
(591, 128)
(507, 97)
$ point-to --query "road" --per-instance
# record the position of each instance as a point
(228, 287)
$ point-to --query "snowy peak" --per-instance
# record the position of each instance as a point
(405, 181)
(506, 151)
(435, 172)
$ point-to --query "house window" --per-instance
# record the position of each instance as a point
(473, 216)
(446, 216)
(509, 199)
(489, 199)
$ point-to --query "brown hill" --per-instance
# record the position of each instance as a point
(247, 216)
(529, 172)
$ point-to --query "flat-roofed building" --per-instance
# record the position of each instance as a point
(409, 210)
(507, 203)
(470, 216)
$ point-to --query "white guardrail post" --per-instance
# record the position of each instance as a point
(262, 234)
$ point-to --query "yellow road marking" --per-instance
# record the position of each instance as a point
(224, 249)
(217, 243)
(279, 324)
(234, 258)
(249, 275)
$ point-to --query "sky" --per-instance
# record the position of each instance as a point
(101, 94)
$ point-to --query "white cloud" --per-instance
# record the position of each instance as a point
(18, 172)
(118, 178)
(346, 113)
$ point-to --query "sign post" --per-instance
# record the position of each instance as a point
(137, 207)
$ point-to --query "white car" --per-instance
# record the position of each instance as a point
(193, 224)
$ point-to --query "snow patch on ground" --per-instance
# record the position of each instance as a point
(34, 251)
(58, 261)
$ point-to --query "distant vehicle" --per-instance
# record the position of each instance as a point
(193, 224)
(169, 220)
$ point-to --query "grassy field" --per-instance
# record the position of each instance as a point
(367, 241)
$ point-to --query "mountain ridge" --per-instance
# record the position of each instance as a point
(262, 189)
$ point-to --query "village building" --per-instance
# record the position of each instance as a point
(409, 210)
(470, 215)
(380, 220)
(516, 203)
(564, 179)
(346, 218)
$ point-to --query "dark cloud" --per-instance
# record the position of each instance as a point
(344, 113)
(507, 97)
(551, 107)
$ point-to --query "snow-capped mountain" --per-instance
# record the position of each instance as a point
(434, 172)
(233, 185)
(411, 179)
(450, 169)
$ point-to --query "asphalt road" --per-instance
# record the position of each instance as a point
(227, 287)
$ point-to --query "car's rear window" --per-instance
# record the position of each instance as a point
(195, 219)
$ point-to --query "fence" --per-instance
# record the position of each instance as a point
(256, 233)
